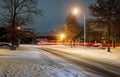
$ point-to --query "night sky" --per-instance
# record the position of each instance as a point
(56, 12)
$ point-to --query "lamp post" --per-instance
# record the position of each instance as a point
(18, 39)
(75, 12)
(84, 30)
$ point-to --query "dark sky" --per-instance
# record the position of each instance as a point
(56, 12)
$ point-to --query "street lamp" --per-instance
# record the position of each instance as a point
(76, 12)
(62, 36)
(18, 27)
(18, 31)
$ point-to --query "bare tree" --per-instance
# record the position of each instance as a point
(18, 13)
(71, 28)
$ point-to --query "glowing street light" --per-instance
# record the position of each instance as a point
(18, 28)
(75, 12)
(62, 36)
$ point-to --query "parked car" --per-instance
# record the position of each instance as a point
(4, 44)
(97, 44)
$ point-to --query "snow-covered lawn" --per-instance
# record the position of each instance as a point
(36, 70)
(30, 61)
(95, 53)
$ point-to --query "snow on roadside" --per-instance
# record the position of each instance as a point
(25, 51)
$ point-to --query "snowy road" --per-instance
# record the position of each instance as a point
(90, 65)
(31, 61)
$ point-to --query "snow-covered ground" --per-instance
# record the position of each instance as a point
(36, 70)
(95, 53)
(30, 61)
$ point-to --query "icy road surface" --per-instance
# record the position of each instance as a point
(30, 61)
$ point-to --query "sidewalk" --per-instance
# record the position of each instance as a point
(93, 53)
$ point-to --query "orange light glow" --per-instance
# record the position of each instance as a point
(62, 36)
(18, 28)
